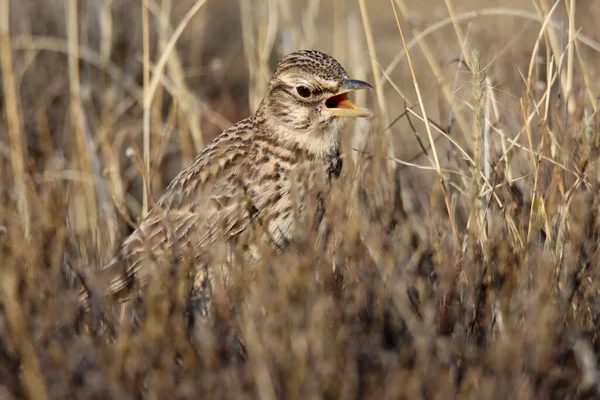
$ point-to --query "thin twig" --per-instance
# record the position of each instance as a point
(460, 62)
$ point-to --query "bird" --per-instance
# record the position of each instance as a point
(247, 176)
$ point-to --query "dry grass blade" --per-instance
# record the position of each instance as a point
(84, 212)
(18, 154)
(429, 134)
(147, 104)
(164, 56)
(33, 380)
(373, 57)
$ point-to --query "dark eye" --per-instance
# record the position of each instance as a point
(303, 91)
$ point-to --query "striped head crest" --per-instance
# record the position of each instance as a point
(313, 62)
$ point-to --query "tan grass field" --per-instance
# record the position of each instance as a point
(468, 257)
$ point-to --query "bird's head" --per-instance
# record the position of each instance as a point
(308, 100)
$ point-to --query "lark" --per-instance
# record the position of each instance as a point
(245, 180)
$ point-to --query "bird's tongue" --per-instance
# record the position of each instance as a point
(345, 103)
(341, 101)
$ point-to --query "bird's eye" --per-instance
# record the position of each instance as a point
(303, 91)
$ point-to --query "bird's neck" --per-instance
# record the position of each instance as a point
(308, 143)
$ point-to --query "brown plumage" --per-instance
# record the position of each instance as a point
(248, 174)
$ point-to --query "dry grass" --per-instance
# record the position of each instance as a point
(464, 256)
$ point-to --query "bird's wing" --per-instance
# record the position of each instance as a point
(206, 202)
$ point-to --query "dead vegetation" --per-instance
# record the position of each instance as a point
(462, 259)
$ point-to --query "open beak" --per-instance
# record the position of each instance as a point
(340, 106)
